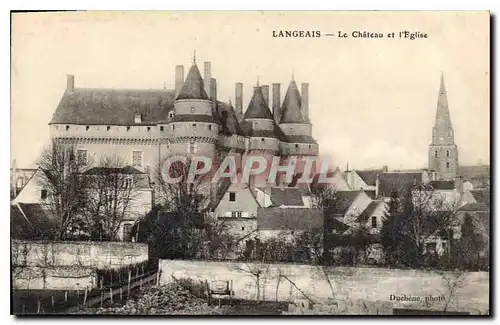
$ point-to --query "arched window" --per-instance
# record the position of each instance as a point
(447, 153)
(435, 153)
(447, 165)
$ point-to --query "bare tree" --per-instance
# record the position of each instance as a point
(112, 196)
(64, 187)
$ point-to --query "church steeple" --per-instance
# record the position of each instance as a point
(443, 129)
(443, 152)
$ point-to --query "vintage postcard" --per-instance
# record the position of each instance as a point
(250, 163)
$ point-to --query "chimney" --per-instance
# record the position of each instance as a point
(213, 92)
(207, 78)
(276, 102)
(304, 107)
(265, 92)
(179, 79)
(70, 83)
(239, 100)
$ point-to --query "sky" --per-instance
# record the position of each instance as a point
(372, 101)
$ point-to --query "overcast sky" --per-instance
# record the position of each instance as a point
(372, 101)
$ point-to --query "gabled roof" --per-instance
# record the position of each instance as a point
(343, 201)
(226, 115)
(289, 218)
(88, 106)
(258, 108)
(291, 108)
(36, 223)
(193, 87)
(368, 211)
(442, 185)
(287, 196)
(399, 182)
(369, 176)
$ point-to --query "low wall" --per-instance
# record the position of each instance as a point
(417, 289)
(53, 278)
(84, 254)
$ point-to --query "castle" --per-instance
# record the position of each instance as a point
(144, 127)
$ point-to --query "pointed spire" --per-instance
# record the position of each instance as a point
(193, 85)
(257, 108)
(257, 81)
(194, 57)
(290, 110)
(443, 121)
(293, 76)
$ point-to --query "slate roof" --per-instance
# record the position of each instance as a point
(442, 185)
(37, 223)
(226, 115)
(193, 87)
(290, 109)
(277, 133)
(289, 218)
(258, 108)
(369, 176)
(343, 200)
(286, 196)
(400, 182)
(89, 106)
(368, 211)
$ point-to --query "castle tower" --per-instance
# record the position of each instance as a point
(443, 152)
(193, 129)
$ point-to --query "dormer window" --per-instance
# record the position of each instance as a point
(137, 118)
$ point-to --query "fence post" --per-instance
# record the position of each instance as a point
(38, 306)
(102, 298)
(111, 294)
(52, 301)
(85, 297)
(24, 309)
(129, 278)
(65, 295)
(111, 278)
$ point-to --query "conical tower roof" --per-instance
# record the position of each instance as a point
(258, 107)
(290, 110)
(193, 86)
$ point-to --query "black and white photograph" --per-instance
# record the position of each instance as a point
(241, 163)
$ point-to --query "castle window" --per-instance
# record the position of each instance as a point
(171, 115)
(127, 232)
(67, 127)
(108, 128)
(435, 153)
(161, 128)
(81, 157)
(309, 146)
(87, 128)
(194, 127)
(232, 196)
(242, 228)
(447, 165)
(173, 126)
(374, 222)
(128, 182)
(192, 147)
(137, 118)
(210, 127)
(43, 194)
(296, 146)
(149, 128)
(137, 158)
(128, 128)
(262, 140)
(447, 153)
(192, 109)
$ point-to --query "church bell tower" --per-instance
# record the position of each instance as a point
(443, 152)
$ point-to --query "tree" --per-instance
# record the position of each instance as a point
(112, 196)
(418, 217)
(66, 189)
(468, 248)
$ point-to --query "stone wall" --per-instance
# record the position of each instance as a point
(83, 254)
(289, 282)
(54, 278)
